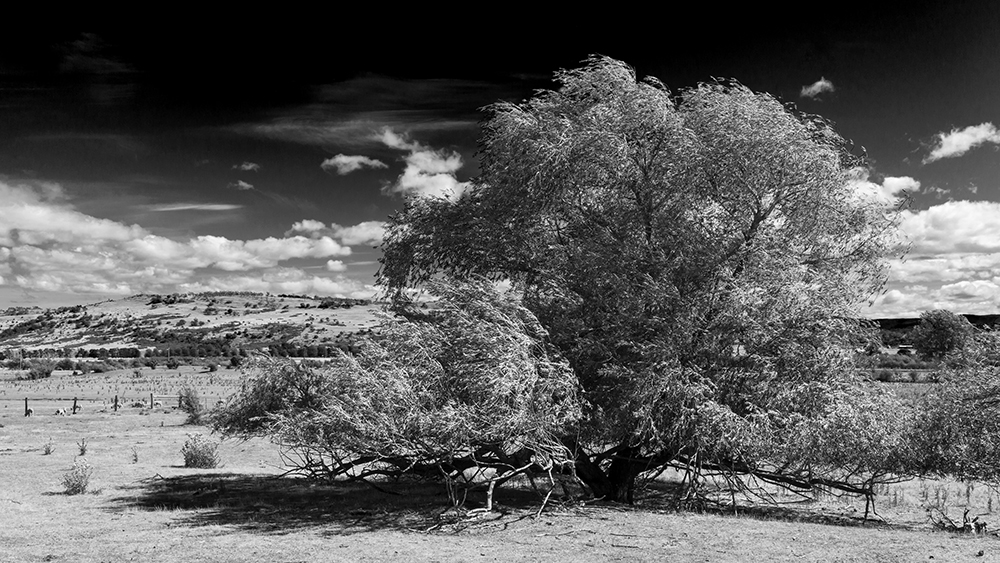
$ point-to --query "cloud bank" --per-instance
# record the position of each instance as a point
(953, 262)
(47, 245)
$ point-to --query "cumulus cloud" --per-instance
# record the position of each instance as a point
(888, 192)
(366, 232)
(953, 262)
(821, 86)
(241, 185)
(335, 265)
(954, 227)
(428, 173)
(345, 164)
(247, 167)
(960, 141)
(307, 226)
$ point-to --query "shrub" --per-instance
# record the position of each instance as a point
(82, 444)
(77, 479)
(200, 452)
(40, 370)
(172, 363)
(48, 448)
(190, 402)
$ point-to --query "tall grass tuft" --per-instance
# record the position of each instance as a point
(190, 402)
(77, 479)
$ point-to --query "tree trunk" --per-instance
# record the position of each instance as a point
(618, 484)
(622, 473)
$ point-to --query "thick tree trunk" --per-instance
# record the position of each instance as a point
(622, 473)
(618, 484)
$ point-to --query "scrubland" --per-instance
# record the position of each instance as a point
(142, 504)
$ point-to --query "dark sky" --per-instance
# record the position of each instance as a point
(175, 159)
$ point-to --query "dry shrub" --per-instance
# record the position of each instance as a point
(200, 452)
(77, 479)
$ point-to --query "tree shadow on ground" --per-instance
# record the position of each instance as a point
(662, 496)
(280, 505)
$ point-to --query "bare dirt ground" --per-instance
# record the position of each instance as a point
(143, 505)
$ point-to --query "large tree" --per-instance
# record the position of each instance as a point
(699, 259)
(941, 332)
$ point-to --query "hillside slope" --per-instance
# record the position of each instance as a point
(231, 320)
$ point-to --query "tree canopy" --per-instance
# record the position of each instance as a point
(697, 257)
(940, 333)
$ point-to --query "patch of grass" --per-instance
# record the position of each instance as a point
(82, 444)
(48, 448)
(77, 479)
(200, 452)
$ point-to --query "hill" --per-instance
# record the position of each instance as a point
(187, 324)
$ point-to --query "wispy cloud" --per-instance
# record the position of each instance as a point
(241, 185)
(429, 172)
(821, 86)
(960, 141)
(345, 164)
(247, 166)
(194, 207)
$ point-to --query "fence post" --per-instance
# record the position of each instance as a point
(150, 401)
(74, 405)
(25, 406)
(116, 403)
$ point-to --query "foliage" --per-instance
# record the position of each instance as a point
(189, 402)
(40, 369)
(941, 332)
(697, 257)
(172, 363)
(468, 386)
(77, 479)
(958, 430)
(200, 452)
(48, 448)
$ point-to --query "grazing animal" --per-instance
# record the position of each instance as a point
(29, 412)
(157, 404)
(61, 412)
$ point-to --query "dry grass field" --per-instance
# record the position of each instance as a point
(143, 505)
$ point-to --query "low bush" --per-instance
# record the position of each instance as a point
(200, 452)
(40, 370)
(77, 479)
